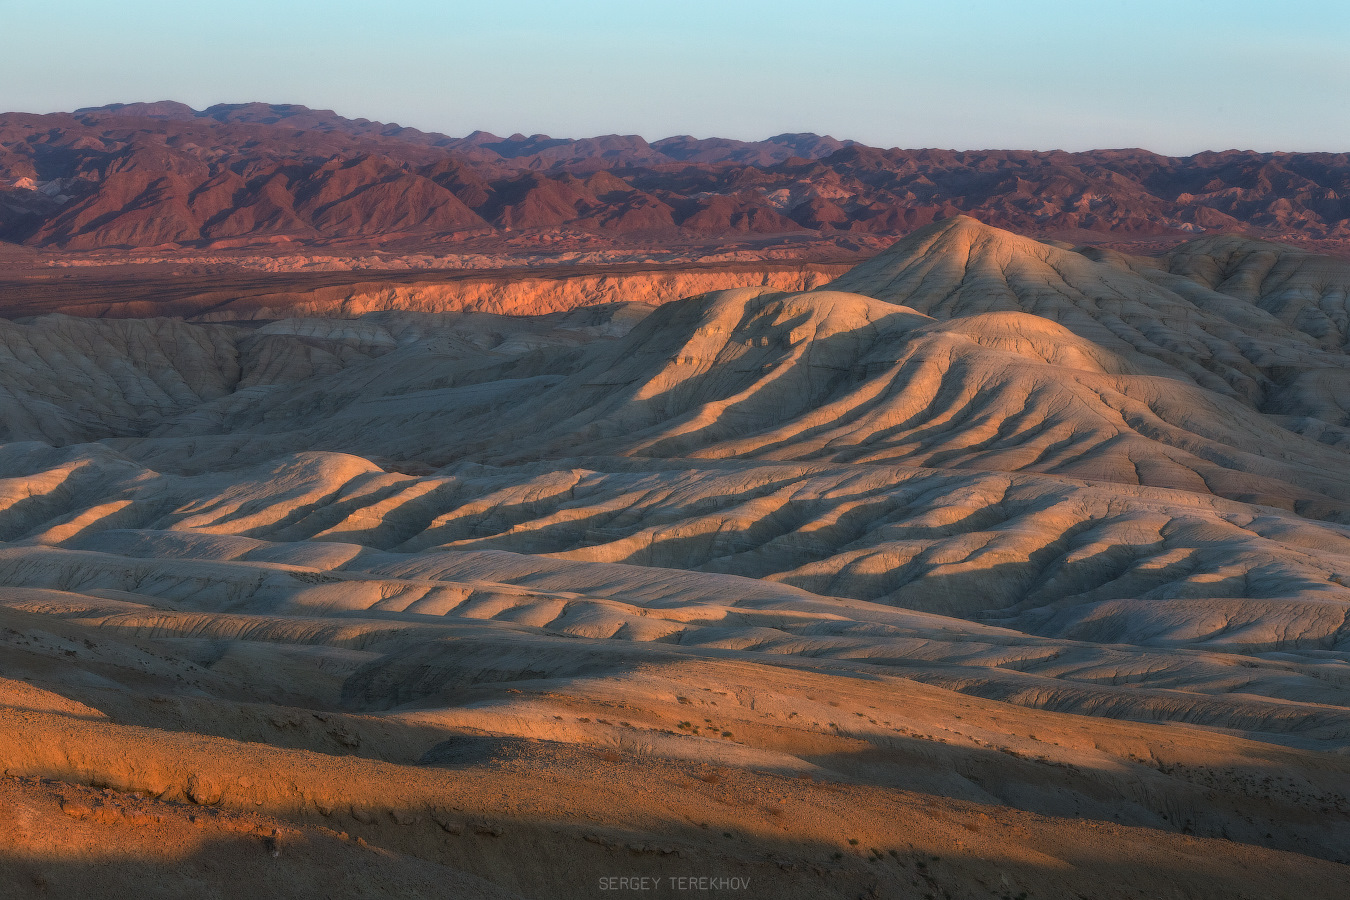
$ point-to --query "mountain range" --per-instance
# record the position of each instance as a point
(145, 175)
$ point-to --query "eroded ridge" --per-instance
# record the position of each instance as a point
(993, 566)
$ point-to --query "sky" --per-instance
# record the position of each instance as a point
(1175, 77)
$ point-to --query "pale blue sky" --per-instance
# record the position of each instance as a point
(1175, 77)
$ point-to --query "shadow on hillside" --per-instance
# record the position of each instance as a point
(509, 861)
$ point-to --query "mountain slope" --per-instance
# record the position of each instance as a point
(1005, 566)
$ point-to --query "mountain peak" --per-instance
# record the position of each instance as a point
(159, 109)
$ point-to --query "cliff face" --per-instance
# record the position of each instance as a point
(522, 292)
(519, 296)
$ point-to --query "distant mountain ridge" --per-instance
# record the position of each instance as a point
(156, 174)
(532, 150)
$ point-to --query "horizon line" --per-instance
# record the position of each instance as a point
(200, 113)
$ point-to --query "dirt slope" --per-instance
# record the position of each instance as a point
(991, 568)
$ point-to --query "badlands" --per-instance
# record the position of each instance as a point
(990, 567)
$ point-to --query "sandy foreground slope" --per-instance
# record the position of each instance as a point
(993, 568)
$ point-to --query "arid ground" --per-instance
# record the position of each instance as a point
(971, 565)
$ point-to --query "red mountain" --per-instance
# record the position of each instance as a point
(151, 174)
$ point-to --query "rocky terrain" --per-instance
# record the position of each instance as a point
(989, 568)
(212, 295)
(162, 175)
